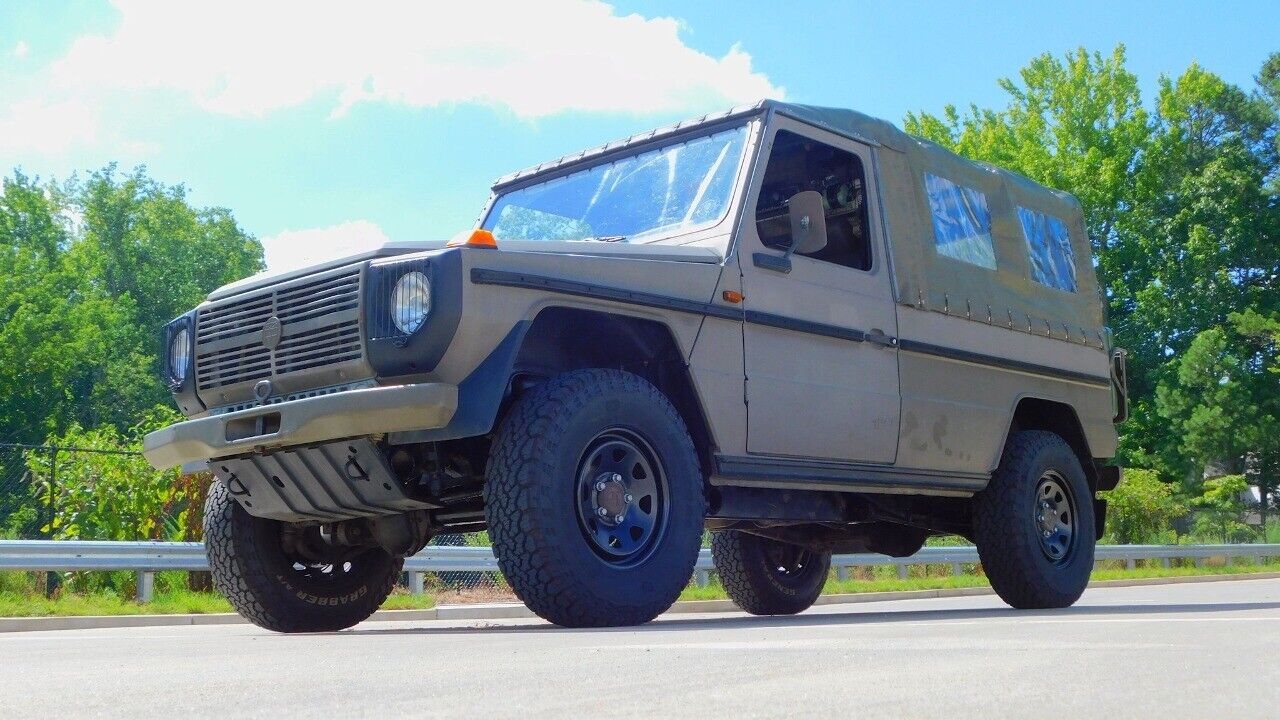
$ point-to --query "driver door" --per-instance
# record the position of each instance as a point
(821, 365)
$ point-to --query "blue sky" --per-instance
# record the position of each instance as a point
(327, 127)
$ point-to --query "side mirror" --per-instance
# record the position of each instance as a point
(808, 222)
(808, 231)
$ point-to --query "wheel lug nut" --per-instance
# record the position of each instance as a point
(616, 477)
(618, 519)
(627, 498)
(602, 512)
(600, 486)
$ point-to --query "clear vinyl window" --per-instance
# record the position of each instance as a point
(1053, 263)
(961, 222)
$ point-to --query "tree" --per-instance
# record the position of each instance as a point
(91, 271)
(1224, 399)
(1220, 508)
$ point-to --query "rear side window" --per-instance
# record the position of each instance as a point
(961, 222)
(1052, 261)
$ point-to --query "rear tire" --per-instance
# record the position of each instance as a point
(594, 500)
(768, 577)
(1034, 524)
(288, 594)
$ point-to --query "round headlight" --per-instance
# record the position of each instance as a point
(411, 302)
(180, 354)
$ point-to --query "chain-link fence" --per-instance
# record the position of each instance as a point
(82, 493)
(25, 512)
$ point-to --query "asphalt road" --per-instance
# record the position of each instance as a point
(1173, 651)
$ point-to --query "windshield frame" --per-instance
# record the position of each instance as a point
(752, 125)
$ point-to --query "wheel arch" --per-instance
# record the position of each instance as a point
(1060, 418)
(562, 338)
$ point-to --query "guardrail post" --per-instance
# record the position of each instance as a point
(902, 571)
(702, 577)
(956, 569)
(1198, 562)
(1164, 562)
(146, 586)
(842, 573)
(416, 583)
(1130, 564)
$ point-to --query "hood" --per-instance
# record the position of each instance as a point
(686, 253)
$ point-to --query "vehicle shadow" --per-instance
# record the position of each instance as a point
(827, 618)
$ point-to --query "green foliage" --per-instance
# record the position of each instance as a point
(108, 495)
(1140, 509)
(90, 270)
(1219, 509)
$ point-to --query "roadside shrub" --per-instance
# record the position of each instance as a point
(1141, 509)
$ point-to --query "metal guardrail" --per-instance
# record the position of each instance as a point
(148, 558)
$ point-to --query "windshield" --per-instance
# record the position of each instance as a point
(641, 198)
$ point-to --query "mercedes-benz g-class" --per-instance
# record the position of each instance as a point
(797, 327)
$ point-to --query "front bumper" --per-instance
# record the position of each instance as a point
(348, 414)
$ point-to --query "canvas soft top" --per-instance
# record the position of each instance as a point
(923, 278)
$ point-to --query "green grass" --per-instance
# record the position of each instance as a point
(108, 603)
(172, 602)
(886, 580)
(17, 599)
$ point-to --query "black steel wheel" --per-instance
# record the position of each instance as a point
(768, 577)
(622, 497)
(1056, 516)
(594, 499)
(1034, 524)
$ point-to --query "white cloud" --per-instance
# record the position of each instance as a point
(534, 59)
(291, 249)
(47, 127)
(21, 49)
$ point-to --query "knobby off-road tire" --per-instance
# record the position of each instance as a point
(768, 577)
(250, 568)
(584, 442)
(1034, 523)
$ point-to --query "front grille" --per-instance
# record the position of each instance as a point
(319, 326)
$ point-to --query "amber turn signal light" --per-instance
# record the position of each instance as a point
(732, 296)
(477, 239)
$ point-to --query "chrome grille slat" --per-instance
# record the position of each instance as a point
(319, 326)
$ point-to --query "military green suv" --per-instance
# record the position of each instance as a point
(797, 327)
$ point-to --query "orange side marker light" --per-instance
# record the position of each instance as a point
(732, 296)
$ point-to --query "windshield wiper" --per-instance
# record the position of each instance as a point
(603, 238)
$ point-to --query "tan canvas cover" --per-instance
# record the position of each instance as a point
(923, 277)
(929, 280)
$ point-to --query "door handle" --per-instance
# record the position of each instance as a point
(877, 337)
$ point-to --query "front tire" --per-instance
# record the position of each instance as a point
(768, 577)
(280, 591)
(1034, 524)
(594, 500)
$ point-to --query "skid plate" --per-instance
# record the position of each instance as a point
(317, 483)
